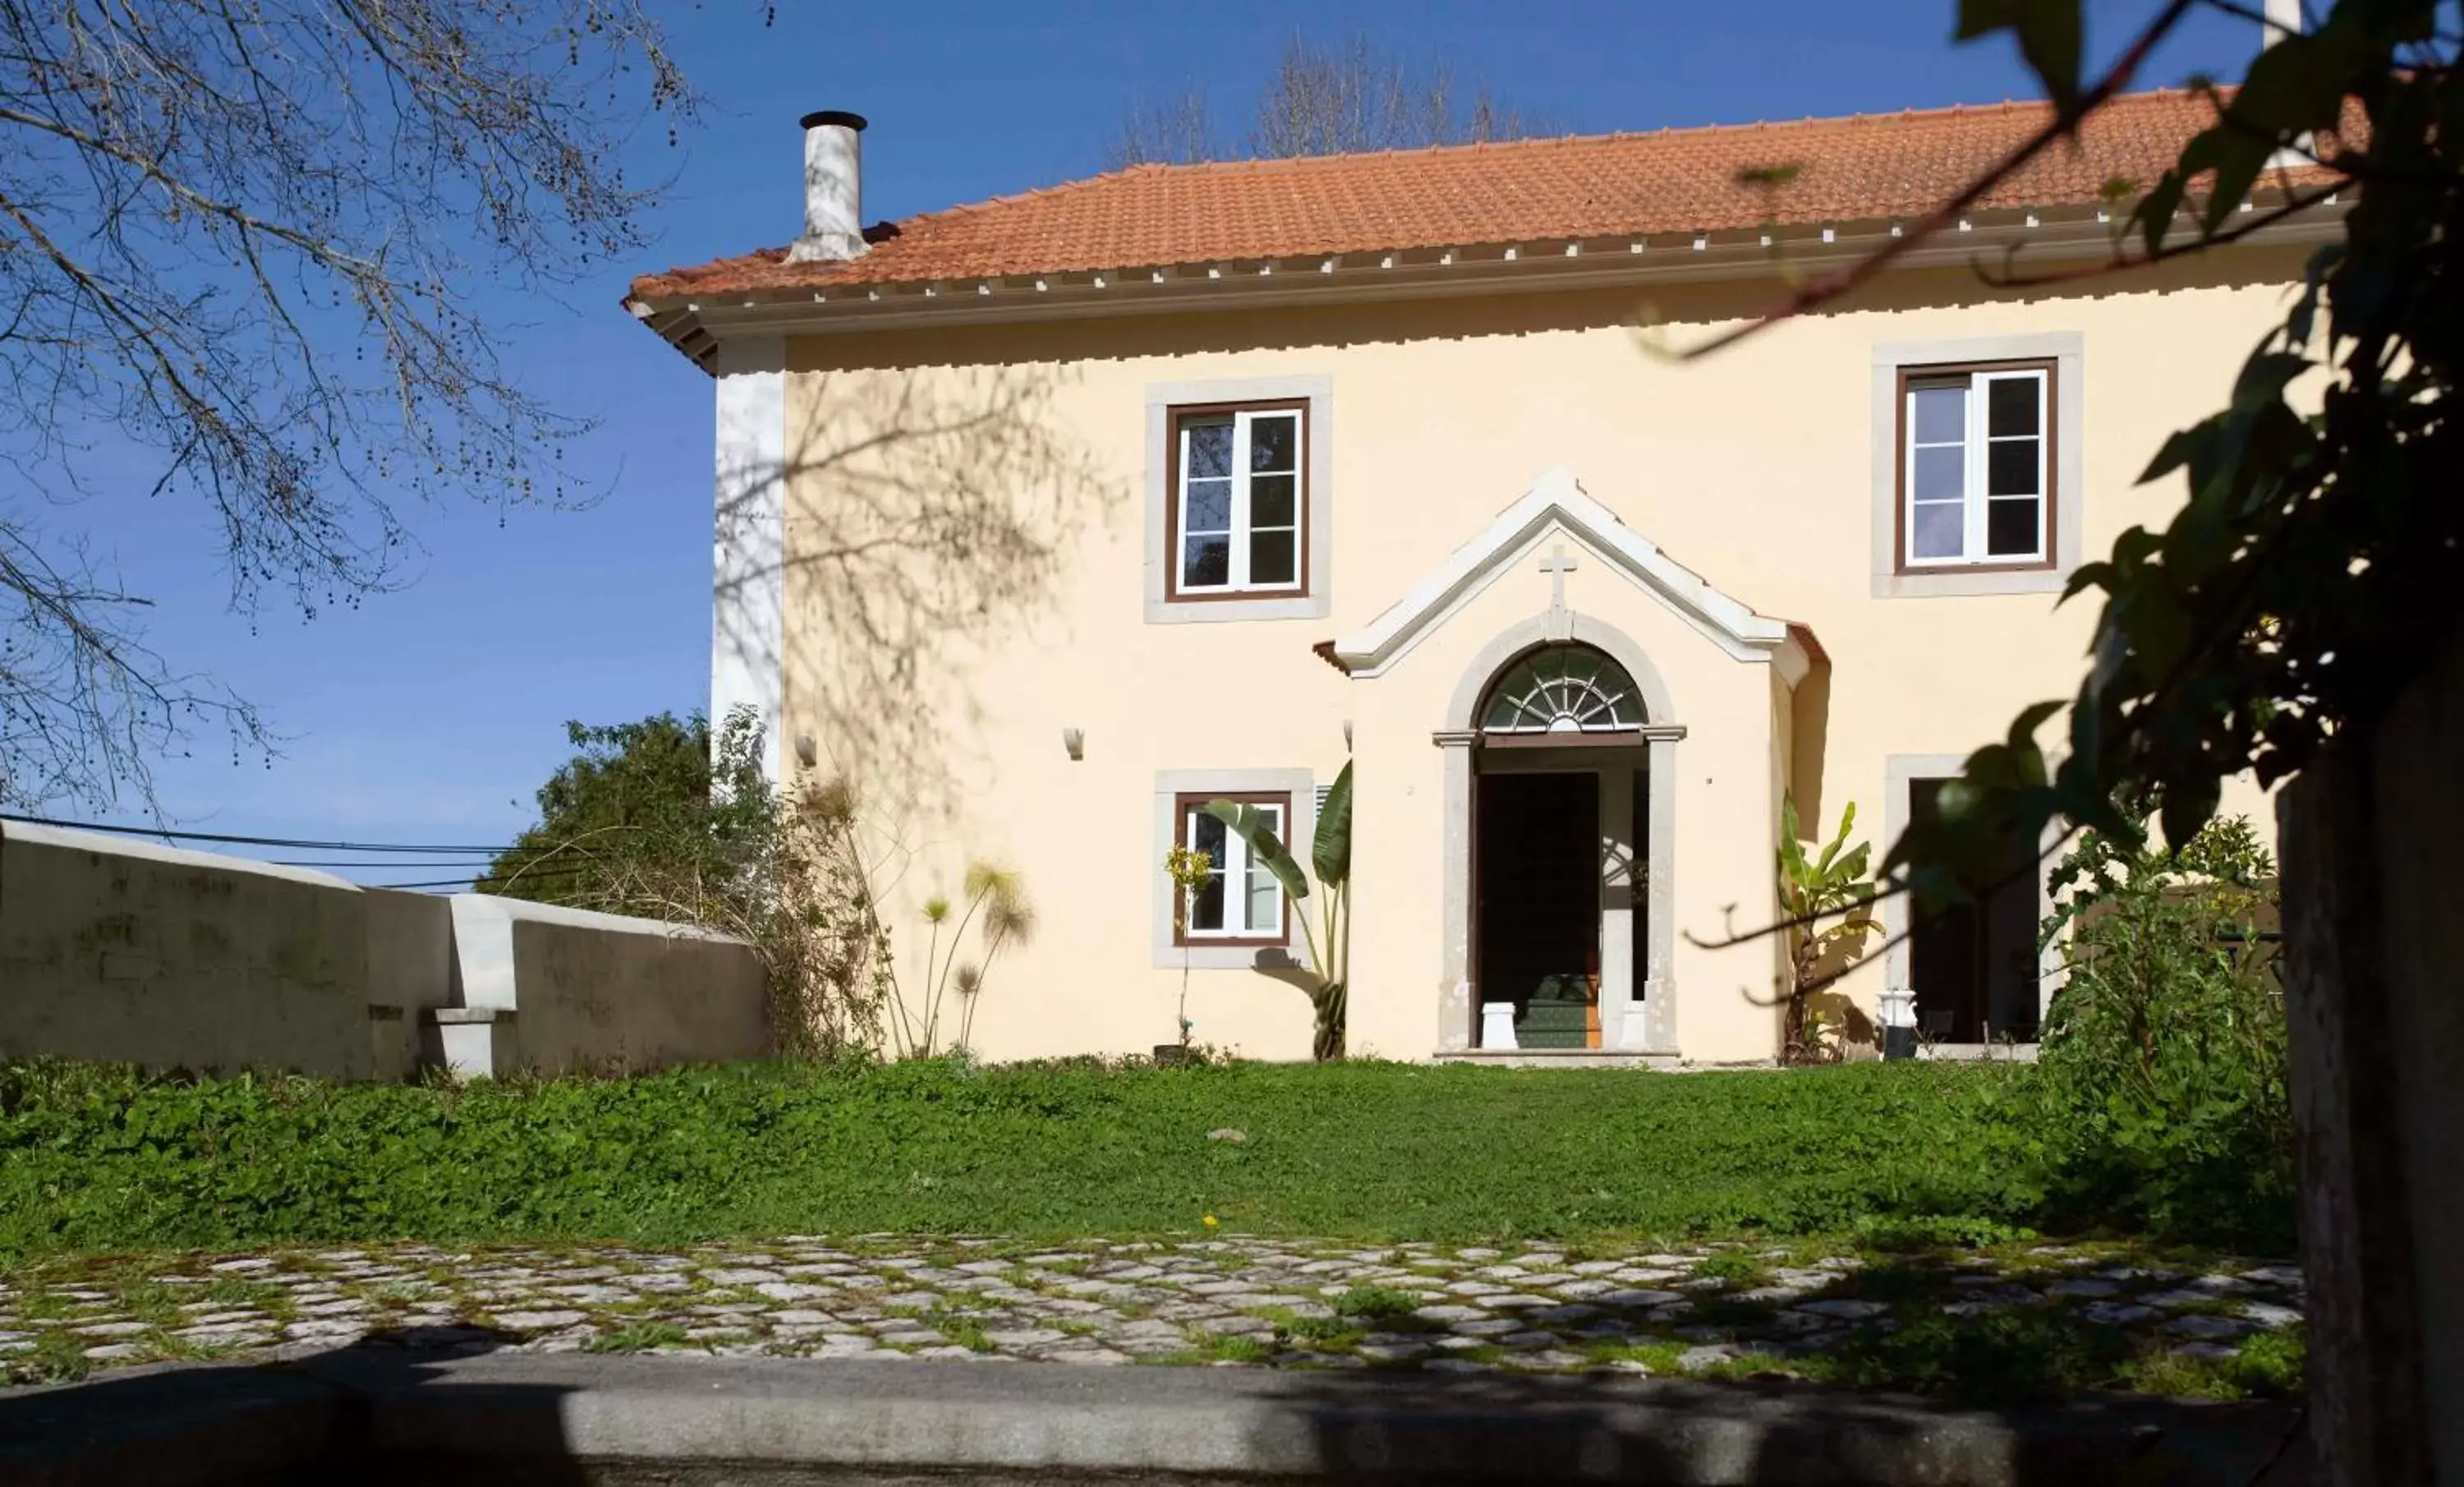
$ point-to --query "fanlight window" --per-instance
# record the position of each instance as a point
(1563, 689)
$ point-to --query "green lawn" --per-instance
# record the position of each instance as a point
(96, 1158)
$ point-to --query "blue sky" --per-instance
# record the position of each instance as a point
(432, 713)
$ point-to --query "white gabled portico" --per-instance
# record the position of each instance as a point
(1564, 720)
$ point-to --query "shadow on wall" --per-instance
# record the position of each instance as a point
(930, 515)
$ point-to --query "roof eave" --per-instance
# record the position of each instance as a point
(2014, 238)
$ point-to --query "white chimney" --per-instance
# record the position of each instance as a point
(833, 187)
(2283, 19)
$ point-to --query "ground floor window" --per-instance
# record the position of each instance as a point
(1240, 903)
(1972, 968)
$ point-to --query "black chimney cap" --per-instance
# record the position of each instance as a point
(833, 116)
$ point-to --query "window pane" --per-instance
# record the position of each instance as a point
(2011, 405)
(1206, 450)
(1941, 473)
(1206, 904)
(1206, 836)
(2011, 528)
(1941, 414)
(1210, 506)
(1939, 531)
(1208, 562)
(1266, 910)
(1271, 500)
(2011, 467)
(1271, 558)
(1271, 441)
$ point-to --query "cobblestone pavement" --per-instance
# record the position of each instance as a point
(1708, 1309)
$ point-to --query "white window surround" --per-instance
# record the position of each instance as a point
(1242, 517)
(2067, 351)
(1317, 562)
(1898, 1009)
(1970, 451)
(1170, 785)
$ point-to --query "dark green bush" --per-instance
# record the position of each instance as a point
(2163, 1069)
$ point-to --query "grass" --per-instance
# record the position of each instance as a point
(637, 1337)
(1370, 1303)
(1743, 1270)
(96, 1158)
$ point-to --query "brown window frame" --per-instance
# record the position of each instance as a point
(1302, 535)
(1189, 801)
(2049, 367)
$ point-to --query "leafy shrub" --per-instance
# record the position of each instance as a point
(98, 1158)
(678, 820)
(2162, 1077)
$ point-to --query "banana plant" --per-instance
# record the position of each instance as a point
(1329, 940)
(1834, 887)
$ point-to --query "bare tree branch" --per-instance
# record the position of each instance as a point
(1328, 100)
(240, 234)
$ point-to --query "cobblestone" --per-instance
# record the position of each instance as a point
(1096, 1303)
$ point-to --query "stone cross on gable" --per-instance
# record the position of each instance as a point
(1557, 565)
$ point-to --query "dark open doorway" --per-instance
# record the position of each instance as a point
(1538, 874)
(1974, 967)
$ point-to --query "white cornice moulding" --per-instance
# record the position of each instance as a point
(1558, 504)
(1452, 273)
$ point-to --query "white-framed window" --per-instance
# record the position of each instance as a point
(1240, 900)
(1976, 472)
(1240, 509)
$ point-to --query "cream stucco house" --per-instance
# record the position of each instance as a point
(1047, 519)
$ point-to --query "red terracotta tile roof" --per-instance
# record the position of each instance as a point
(1861, 169)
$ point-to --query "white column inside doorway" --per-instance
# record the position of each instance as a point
(1616, 904)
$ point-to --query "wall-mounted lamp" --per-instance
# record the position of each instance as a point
(806, 754)
(1075, 740)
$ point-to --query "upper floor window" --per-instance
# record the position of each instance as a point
(1976, 466)
(1239, 503)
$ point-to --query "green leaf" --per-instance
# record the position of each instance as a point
(1331, 852)
(2155, 213)
(2179, 449)
(1984, 17)
(2023, 728)
(1249, 823)
(2049, 32)
(2239, 158)
(2265, 376)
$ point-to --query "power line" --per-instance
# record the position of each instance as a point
(385, 862)
(250, 841)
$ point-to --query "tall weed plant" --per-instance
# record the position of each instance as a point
(2161, 1075)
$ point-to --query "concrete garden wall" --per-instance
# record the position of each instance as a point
(118, 949)
(121, 951)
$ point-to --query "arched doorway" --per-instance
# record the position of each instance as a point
(1555, 820)
(1561, 772)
